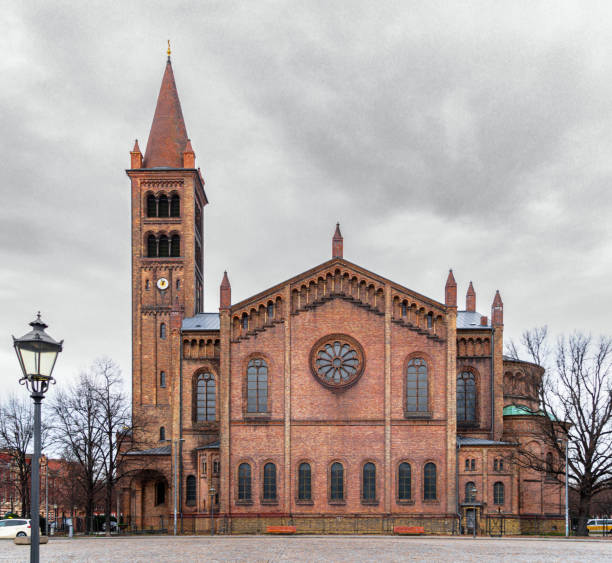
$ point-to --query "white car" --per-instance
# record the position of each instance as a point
(14, 527)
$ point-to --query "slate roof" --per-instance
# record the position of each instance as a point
(471, 319)
(466, 441)
(202, 321)
(212, 445)
(162, 450)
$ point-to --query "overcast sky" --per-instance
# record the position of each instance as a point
(473, 136)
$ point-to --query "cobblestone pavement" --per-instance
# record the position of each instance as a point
(312, 548)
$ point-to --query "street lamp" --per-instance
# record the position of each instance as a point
(212, 492)
(474, 491)
(37, 353)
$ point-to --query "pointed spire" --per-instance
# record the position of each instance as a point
(497, 310)
(337, 243)
(470, 299)
(136, 156)
(225, 293)
(188, 156)
(168, 136)
(450, 291)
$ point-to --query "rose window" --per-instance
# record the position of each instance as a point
(337, 361)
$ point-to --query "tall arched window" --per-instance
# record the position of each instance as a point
(175, 206)
(269, 482)
(499, 493)
(336, 488)
(369, 482)
(404, 309)
(162, 206)
(404, 485)
(466, 397)
(163, 247)
(470, 492)
(304, 482)
(270, 311)
(416, 386)
(175, 246)
(190, 490)
(162, 433)
(429, 482)
(257, 386)
(162, 378)
(151, 246)
(162, 331)
(151, 206)
(549, 465)
(245, 322)
(244, 481)
(206, 398)
(160, 492)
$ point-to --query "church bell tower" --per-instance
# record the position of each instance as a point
(168, 201)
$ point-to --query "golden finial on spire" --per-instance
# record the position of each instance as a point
(168, 51)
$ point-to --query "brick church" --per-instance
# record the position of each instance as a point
(335, 401)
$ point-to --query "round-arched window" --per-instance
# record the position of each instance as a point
(337, 361)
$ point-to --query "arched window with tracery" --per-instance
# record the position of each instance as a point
(470, 492)
(499, 493)
(404, 485)
(429, 482)
(257, 386)
(175, 246)
(190, 490)
(466, 397)
(175, 206)
(206, 398)
(304, 482)
(151, 246)
(163, 247)
(269, 482)
(244, 481)
(369, 482)
(162, 206)
(151, 206)
(336, 488)
(417, 386)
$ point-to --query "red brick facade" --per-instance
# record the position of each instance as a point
(335, 394)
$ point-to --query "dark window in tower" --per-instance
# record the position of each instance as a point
(269, 482)
(337, 481)
(175, 246)
(151, 206)
(429, 482)
(147, 285)
(162, 379)
(369, 482)
(175, 206)
(244, 481)
(162, 434)
(304, 482)
(190, 490)
(466, 398)
(151, 246)
(472, 464)
(164, 247)
(178, 284)
(162, 206)
(429, 320)
(162, 331)
(404, 491)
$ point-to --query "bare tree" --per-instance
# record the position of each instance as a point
(576, 401)
(78, 434)
(114, 419)
(16, 434)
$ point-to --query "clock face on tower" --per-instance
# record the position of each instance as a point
(162, 283)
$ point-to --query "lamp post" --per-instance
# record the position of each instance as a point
(475, 516)
(55, 517)
(37, 353)
(566, 488)
(212, 492)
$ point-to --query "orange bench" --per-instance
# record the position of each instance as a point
(281, 529)
(408, 530)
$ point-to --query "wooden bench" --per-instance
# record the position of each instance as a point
(281, 530)
(408, 530)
